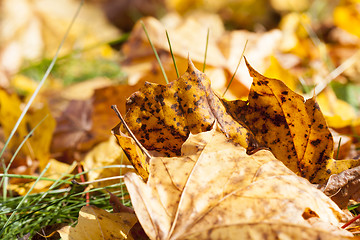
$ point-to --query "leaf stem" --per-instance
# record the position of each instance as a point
(351, 221)
(155, 52)
(114, 107)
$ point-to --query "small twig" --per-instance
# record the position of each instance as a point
(172, 54)
(351, 221)
(237, 67)
(155, 52)
(130, 132)
(82, 178)
(206, 48)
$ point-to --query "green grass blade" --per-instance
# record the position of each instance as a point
(154, 50)
(206, 49)
(172, 55)
(338, 149)
(24, 198)
(4, 179)
(237, 67)
(32, 177)
(26, 108)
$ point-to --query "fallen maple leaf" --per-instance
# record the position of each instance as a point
(295, 130)
(96, 223)
(216, 191)
(162, 116)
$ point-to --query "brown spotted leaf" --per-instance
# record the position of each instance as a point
(133, 153)
(344, 186)
(216, 191)
(163, 116)
(293, 129)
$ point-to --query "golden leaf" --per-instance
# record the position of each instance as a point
(162, 116)
(133, 153)
(216, 191)
(295, 131)
(38, 146)
(96, 223)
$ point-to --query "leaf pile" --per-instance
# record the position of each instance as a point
(274, 117)
(219, 162)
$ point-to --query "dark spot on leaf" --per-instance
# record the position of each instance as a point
(285, 92)
(278, 120)
(255, 95)
(328, 171)
(321, 126)
(138, 120)
(315, 142)
(174, 106)
(160, 140)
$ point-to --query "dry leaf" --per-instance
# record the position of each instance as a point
(138, 46)
(85, 123)
(347, 17)
(73, 130)
(37, 147)
(216, 191)
(95, 223)
(132, 151)
(55, 171)
(260, 46)
(343, 186)
(36, 34)
(338, 113)
(294, 130)
(106, 154)
(162, 116)
(275, 70)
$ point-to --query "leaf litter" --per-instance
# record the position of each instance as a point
(170, 197)
(310, 148)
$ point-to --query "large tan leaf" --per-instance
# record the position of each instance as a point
(216, 191)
